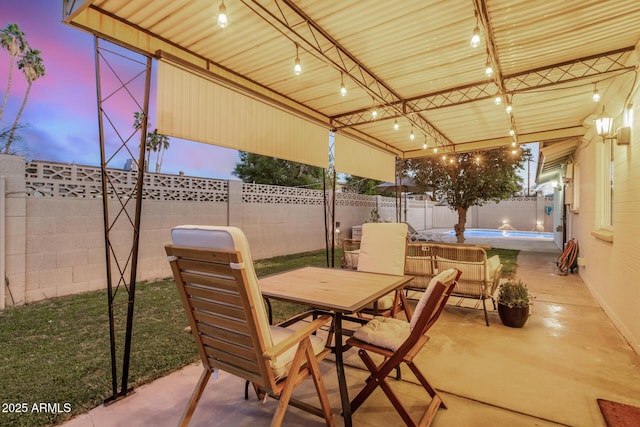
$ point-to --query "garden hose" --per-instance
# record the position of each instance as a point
(567, 258)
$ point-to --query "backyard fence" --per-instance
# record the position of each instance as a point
(54, 221)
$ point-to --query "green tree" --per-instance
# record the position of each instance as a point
(31, 65)
(154, 142)
(356, 184)
(463, 180)
(12, 39)
(261, 169)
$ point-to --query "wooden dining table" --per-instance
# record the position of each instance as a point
(341, 292)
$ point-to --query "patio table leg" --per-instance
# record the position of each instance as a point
(342, 382)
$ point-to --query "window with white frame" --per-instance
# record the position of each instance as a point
(604, 185)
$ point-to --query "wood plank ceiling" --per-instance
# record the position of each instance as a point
(410, 60)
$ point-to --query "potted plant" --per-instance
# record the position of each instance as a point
(513, 303)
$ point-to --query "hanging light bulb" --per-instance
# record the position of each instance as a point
(374, 109)
(411, 135)
(396, 126)
(222, 15)
(475, 37)
(513, 144)
(488, 69)
(435, 149)
(444, 157)
(508, 109)
(343, 88)
(512, 132)
(498, 100)
(424, 146)
(451, 160)
(477, 159)
(297, 68)
(596, 95)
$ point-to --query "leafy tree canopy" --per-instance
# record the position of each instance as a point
(355, 184)
(463, 180)
(261, 169)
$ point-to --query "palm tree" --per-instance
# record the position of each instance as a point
(12, 39)
(162, 144)
(154, 141)
(31, 65)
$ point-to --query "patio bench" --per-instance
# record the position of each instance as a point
(480, 275)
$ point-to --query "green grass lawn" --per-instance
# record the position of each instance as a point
(57, 351)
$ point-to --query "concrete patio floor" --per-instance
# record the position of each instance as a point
(548, 373)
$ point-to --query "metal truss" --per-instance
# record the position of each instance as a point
(286, 17)
(566, 72)
(115, 94)
(569, 71)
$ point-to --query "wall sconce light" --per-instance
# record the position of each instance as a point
(604, 124)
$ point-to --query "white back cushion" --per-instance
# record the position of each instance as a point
(233, 239)
(383, 248)
(444, 277)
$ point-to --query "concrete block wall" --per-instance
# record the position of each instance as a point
(55, 234)
(13, 231)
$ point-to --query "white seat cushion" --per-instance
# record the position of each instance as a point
(281, 364)
(444, 277)
(352, 258)
(386, 332)
(384, 303)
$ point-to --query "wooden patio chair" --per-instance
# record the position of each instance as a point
(400, 341)
(383, 250)
(221, 295)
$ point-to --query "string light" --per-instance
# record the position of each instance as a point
(222, 15)
(396, 126)
(297, 68)
(512, 132)
(498, 100)
(596, 95)
(475, 37)
(343, 89)
(509, 108)
(488, 69)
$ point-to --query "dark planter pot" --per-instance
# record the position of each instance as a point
(514, 317)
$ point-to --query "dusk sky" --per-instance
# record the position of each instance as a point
(61, 123)
(60, 119)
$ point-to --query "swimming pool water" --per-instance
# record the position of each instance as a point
(504, 233)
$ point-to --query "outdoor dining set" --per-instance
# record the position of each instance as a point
(225, 305)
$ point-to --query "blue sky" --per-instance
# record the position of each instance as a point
(61, 123)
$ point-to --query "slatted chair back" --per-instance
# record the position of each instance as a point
(221, 295)
(220, 292)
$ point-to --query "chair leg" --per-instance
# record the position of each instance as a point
(425, 384)
(314, 369)
(195, 397)
(371, 384)
(377, 379)
(285, 395)
(486, 315)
